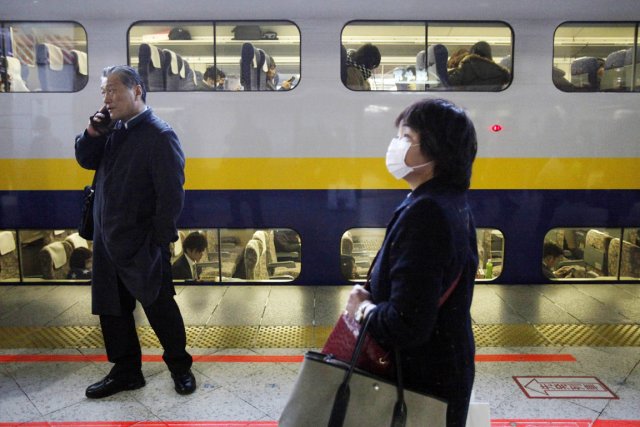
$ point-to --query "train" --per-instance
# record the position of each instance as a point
(298, 166)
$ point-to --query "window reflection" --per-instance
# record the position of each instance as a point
(54, 255)
(9, 266)
(591, 57)
(592, 253)
(43, 57)
(358, 248)
(490, 253)
(214, 56)
(419, 56)
(237, 255)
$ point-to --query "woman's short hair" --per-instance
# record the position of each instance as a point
(447, 135)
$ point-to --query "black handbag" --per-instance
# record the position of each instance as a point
(85, 229)
(329, 392)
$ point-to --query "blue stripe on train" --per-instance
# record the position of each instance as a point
(322, 216)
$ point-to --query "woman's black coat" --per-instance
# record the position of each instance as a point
(430, 240)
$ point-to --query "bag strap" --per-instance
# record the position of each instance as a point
(341, 401)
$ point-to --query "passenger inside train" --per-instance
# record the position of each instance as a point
(551, 256)
(273, 78)
(80, 264)
(478, 71)
(212, 79)
(360, 65)
(185, 267)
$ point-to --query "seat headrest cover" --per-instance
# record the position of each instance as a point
(615, 59)
(58, 254)
(51, 55)
(82, 61)
(7, 242)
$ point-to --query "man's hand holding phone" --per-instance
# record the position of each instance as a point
(100, 123)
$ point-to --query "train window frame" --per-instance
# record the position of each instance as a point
(64, 53)
(356, 261)
(223, 261)
(490, 267)
(593, 254)
(426, 23)
(611, 75)
(233, 82)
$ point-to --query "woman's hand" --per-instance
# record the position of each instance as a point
(357, 295)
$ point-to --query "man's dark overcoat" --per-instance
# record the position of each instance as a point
(138, 199)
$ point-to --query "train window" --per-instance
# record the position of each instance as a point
(216, 56)
(358, 248)
(253, 255)
(43, 57)
(490, 253)
(54, 255)
(592, 57)
(9, 267)
(591, 253)
(426, 56)
(194, 256)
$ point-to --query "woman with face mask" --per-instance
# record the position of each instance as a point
(421, 283)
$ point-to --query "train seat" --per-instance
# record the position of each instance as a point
(174, 71)
(628, 68)
(76, 241)
(81, 74)
(627, 262)
(596, 250)
(150, 67)
(614, 78)
(584, 74)
(9, 266)
(14, 69)
(248, 65)
(255, 261)
(277, 267)
(54, 260)
(54, 70)
(437, 55)
(253, 67)
(190, 80)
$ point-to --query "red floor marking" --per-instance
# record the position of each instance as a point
(144, 424)
(494, 423)
(221, 358)
(525, 358)
(564, 423)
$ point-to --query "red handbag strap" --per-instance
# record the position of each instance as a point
(444, 297)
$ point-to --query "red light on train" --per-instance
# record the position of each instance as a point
(496, 128)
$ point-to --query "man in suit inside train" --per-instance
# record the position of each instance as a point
(194, 246)
(139, 196)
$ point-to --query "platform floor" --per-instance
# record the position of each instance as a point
(547, 355)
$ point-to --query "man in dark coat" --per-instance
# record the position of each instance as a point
(477, 71)
(139, 195)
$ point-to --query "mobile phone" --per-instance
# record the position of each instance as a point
(292, 79)
(105, 125)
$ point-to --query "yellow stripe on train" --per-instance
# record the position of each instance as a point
(341, 173)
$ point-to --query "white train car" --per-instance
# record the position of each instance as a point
(302, 166)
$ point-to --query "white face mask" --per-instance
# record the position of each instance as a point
(395, 158)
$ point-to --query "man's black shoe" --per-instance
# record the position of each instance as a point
(109, 386)
(185, 383)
